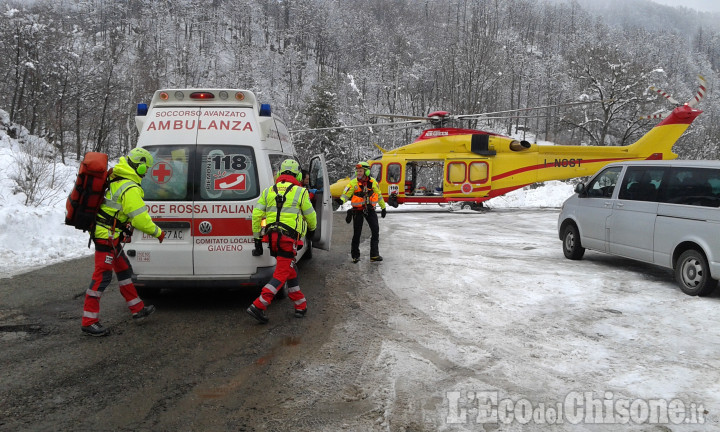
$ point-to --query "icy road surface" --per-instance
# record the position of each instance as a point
(487, 313)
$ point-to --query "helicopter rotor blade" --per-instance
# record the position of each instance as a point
(665, 95)
(370, 125)
(657, 115)
(700, 94)
(464, 116)
(407, 117)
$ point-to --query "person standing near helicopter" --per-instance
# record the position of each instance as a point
(364, 193)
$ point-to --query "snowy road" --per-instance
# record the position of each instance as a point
(472, 320)
(488, 307)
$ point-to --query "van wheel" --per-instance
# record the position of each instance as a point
(693, 273)
(572, 248)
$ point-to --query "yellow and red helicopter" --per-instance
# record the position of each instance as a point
(468, 166)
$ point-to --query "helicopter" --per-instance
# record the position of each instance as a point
(468, 166)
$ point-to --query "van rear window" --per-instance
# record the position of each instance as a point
(202, 173)
(227, 173)
(167, 180)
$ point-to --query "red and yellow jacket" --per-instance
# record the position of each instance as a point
(363, 192)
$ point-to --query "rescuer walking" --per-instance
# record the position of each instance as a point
(364, 193)
(122, 209)
(289, 214)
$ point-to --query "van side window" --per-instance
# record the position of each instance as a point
(603, 185)
(227, 173)
(641, 183)
(167, 179)
(693, 186)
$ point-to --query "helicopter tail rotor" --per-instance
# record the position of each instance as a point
(700, 94)
(692, 103)
(665, 95)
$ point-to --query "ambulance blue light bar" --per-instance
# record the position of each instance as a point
(142, 109)
(265, 110)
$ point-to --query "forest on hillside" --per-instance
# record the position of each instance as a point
(73, 71)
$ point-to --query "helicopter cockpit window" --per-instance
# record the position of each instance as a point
(376, 171)
(394, 170)
(456, 172)
(478, 172)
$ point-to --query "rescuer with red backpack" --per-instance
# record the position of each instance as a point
(121, 210)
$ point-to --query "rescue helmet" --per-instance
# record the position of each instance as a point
(364, 165)
(291, 166)
(140, 159)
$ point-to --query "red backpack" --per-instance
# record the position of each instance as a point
(89, 191)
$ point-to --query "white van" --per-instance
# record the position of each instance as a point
(214, 151)
(659, 212)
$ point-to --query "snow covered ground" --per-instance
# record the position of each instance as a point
(529, 337)
(491, 297)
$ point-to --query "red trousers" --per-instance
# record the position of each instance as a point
(107, 260)
(285, 271)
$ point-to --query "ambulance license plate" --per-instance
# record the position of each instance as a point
(170, 235)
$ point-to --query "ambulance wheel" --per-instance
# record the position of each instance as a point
(308, 252)
(466, 206)
(148, 292)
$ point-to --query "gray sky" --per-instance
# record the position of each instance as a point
(701, 5)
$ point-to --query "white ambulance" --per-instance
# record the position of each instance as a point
(215, 151)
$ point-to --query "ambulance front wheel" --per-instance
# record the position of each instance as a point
(308, 253)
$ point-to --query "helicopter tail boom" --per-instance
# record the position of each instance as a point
(663, 136)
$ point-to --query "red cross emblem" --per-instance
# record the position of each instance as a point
(162, 172)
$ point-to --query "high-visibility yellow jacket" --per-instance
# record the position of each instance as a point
(297, 211)
(124, 202)
(362, 193)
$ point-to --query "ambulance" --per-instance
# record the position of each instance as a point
(215, 151)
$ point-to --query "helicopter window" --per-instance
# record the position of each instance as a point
(376, 171)
(394, 171)
(478, 172)
(456, 172)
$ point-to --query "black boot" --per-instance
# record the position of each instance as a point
(258, 314)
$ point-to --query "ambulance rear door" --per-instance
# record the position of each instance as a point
(323, 202)
(168, 193)
(226, 189)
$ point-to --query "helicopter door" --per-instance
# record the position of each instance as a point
(466, 179)
(323, 202)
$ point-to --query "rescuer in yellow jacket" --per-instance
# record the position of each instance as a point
(364, 193)
(289, 215)
(122, 210)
